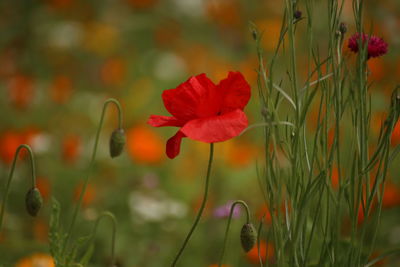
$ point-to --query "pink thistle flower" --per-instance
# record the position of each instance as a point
(376, 46)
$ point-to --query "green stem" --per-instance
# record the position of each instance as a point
(33, 172)
(114, 230)
(203, 204)
(229, 223)
(82, 193)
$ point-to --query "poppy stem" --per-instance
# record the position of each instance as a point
(114, 231)
(33, 174)
(89, 171)
(203, 204)
(241, 202)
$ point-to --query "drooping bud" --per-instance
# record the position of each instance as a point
(33, 201)
(117, 142)
(248, 237)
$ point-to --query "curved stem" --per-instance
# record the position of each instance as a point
(203, 204)
(33, 174)
(241, 202)
(114, 231)
(82, 193)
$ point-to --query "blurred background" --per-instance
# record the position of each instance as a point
(61, 59)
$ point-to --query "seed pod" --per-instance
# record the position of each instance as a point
(33, 201)
(117, 142)
(248, 236)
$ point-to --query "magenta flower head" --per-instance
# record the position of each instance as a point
(376, 46)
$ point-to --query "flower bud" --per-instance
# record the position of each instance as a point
(297, 14)
(248, 236)
(343, 28)
(254, 34)
(117, 142)
(33, 201)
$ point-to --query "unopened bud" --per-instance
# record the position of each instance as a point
(254, 34)
(117, 142)
(33, 201)
(343, 28)
(265, 113)
(248, 236)
(297, 14)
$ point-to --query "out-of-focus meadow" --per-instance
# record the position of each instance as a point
(61, 59)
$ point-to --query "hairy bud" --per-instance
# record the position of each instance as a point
(33, 201)
(248, 236)
(117, 142)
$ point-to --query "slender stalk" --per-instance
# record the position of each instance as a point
(33, 175)
(241, 202)
(114, 231)
(203, 204)
(86, 181)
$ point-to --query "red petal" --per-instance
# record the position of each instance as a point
(235, 92)
(174, 145)
(217, 128)
(197, 97)
(159, 121)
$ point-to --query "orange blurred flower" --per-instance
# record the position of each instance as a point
(248, 67)
(144, 145)
(239, 154)
(113, 71)
(331, 136)
(376, 68)
(224, 12)
(36, 260)
(271, 29)
(335, 177)
(264, 211)
(41, 230)
(266, 253)
(88, 197)
(395, 140)
(61, 89)
(20, 89)
(44, 186)
(216, 265)
(9, 142)
(391, 196)
(71, 148)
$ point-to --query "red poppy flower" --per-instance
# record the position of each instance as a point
(204, 111)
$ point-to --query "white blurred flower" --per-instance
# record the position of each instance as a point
(149, 208)
(169, 67)
(193, 8)
(41, 143)
(65, 35)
